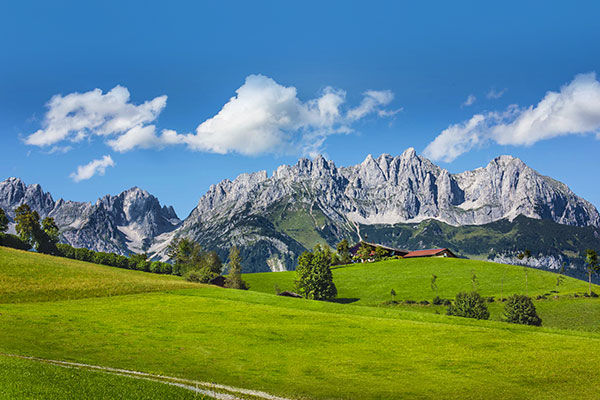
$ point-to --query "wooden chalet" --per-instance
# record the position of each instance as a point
(430, 253)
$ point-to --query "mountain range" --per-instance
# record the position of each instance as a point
(406, 201)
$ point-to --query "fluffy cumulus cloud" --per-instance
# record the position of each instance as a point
(574, 110)
(262, 117)
(76, 116)
(265, 116)
(92, 168)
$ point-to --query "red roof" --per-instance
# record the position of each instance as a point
(425, 253)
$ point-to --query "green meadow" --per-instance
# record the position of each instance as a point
(371, 283)
(294, 348)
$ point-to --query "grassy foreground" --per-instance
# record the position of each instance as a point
(27, 276)
(371, 283)
(295, 348)
(27, 379)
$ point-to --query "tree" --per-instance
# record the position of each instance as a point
(27, 224)
(433, 283)
(519, 309)
(474, 282)
(393, 294)
(50, 228)
(313, 275)
(234, 279)
(343, 251)
(380, 252)
(185, 254)
(212, 262)
(560, 278)
(364, 251)
(4, 221)
(592, 266)
(469, 305)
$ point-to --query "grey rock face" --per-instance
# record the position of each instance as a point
(387, 190)
(128, 222)
(274, 218)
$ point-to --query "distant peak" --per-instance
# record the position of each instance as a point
(409, 153)
(369, 159)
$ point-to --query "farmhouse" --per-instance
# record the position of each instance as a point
(430, 253)
(391, 251)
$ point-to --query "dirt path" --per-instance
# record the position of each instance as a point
(215, 390)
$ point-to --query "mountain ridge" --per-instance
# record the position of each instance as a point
(273, 218)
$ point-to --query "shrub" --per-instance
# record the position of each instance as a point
(446, 302)
(13, 241)
(202, 275)
(469, 305)
(490, 299)
(424, 303)
(519, 309)
(437, 300)
(409, 302)
(594, 294)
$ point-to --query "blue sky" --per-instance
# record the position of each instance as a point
(342, 78)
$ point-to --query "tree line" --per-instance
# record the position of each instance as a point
(188, 258)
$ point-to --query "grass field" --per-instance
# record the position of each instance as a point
(371, 283)
(26, 379)
(304, 349)
(37, 277)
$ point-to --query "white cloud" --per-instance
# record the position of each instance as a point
(262, 117)
(92, 168)
(495, 94)
(265, 116)
(77, 115)
(575, 109)
(469, 101)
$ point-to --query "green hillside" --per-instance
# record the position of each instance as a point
(28, 276)
(292, 347)
(371, 283)
(27, 379)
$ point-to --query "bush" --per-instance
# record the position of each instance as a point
(490, 299)
(409, 302)
(519, 309)
(424, 303)
(469, 305)
(437, 300)
(202, 275)
(13, 241)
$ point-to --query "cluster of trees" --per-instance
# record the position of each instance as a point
(201, 266)
(138, 262)
(31, 232)
(188, 258)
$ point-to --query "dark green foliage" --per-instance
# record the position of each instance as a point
(437, 300)
(364, 251)
(592, 265)
(380, 253)
(13, 241)
(27, 224)
(313, 275)
(519, 309)
(50, 229)
(3, 221)
(469, 305)
(212, 262)
(234, 278)
(343, 251)
(202, 275)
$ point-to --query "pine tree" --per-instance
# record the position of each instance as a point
(234, 279)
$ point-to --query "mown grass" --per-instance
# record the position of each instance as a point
(371, 283)
(27, 276)
(307, 349)
(28, 379)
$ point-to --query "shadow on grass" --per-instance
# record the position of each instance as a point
(345, 300)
